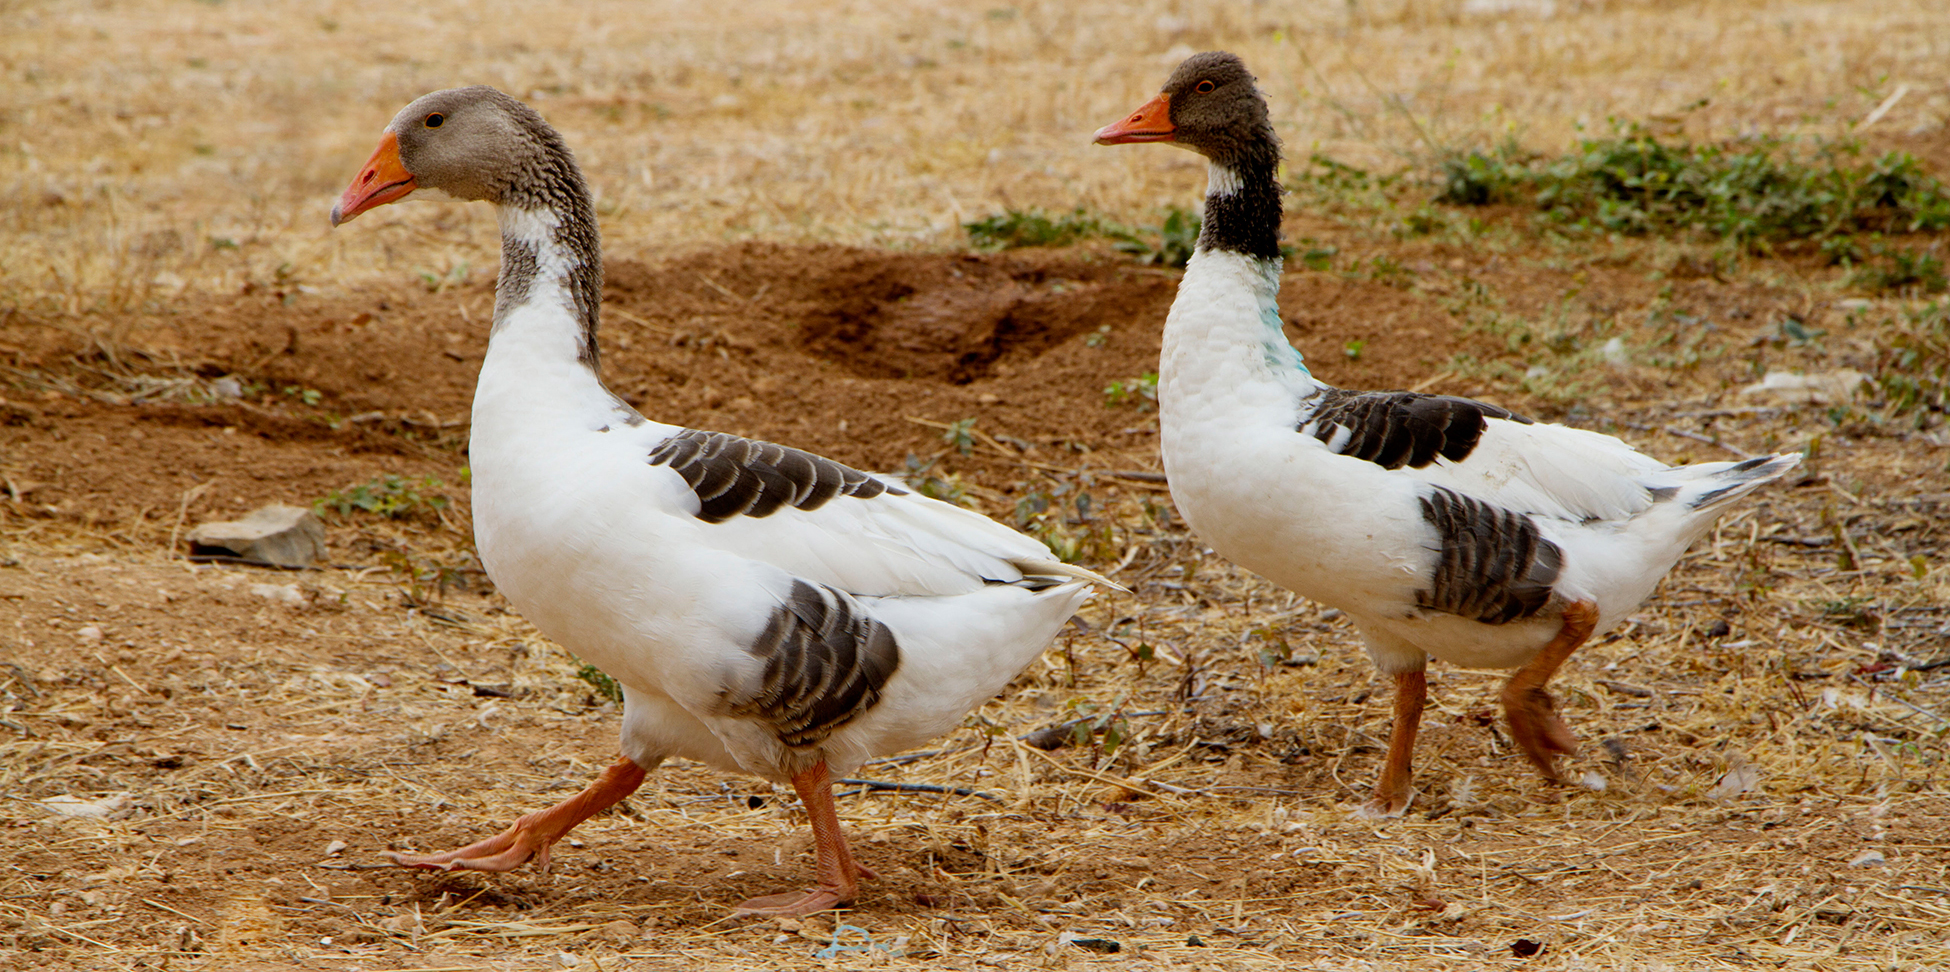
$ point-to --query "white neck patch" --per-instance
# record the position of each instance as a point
(1221, 180)
(533, 226)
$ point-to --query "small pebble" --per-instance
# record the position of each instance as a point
(1868, 858)
(620, 930)
(332, 849)
(89, 633)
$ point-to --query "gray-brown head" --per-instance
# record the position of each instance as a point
(1210, 105)
(472, 143)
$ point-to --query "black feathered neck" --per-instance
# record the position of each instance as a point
(1242, 214)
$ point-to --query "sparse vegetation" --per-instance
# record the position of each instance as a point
(1141, 391)
(1176, 238)
(604, 686)
(1014, 228)
(389, 495)
(1900, 270)
(1168, 244)
(1758, 193)
(1913, 367)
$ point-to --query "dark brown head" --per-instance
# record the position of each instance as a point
(1209, 105)
(471, 143)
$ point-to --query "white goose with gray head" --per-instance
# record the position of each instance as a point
(764, 610)
(1442, 526)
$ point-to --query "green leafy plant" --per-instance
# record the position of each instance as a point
(1141, 391)
(310, 396)
(1756, 192)
(606, 687)
(1897, 269)
(921, 475)
(1016, 228)
(1177, 237)
(1913, 363)
(1168, 244)
(388, 495)
(437, 282)
(961, 435)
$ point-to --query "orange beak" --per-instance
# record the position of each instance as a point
(383, 180)
(1151, 123)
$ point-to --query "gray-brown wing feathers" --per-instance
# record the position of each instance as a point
(825, 660)
(735, 476)
(1492, 564)
(1395, 429)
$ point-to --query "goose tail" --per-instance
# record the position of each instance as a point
(1721, 483)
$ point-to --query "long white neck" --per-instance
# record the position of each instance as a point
(1224, 338)
(541, 358)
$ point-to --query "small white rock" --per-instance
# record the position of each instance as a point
(89, 633)
(332, 849)
(1868, 858)
(1823, 388)
(74, 806)
(1593, 781)
(1615, 353)
(282, 593)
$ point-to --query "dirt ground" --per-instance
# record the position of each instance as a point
(202, 761)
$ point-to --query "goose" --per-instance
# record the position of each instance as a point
(1439, 525)
(765, 610)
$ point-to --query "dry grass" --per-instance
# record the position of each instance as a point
(152, 145)
(1739, 782)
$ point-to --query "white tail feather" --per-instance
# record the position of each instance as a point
(1714, 485)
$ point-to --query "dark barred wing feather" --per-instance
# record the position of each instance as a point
(1492, 565)
(1396, 429)
(734, 476)
(825, 660)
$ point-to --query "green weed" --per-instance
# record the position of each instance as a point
(1168, 244)
(1901, 270)
(921, 475)
(1142, 390)
(1756, 192)
(389, 495)
(961, 435)
(605, 686)
(1913, 363)
(1013, 229)
(1177, 238)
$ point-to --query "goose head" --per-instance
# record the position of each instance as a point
(1210, 105)
(471, 144)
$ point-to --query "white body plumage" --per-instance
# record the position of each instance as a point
(604, 553)
(1349, 533)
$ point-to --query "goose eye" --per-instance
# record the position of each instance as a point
(1204, 86)
(434, 120)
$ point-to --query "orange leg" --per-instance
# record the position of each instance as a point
(1534, 724)
(839, 873)
(1392, 793)
(535, 833)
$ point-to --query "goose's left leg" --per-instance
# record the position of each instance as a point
(839, 873)
(1393, 792)
(1534, 724)
(533, 834)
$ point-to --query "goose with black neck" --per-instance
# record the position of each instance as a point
(764, 610)
(1441, 526)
